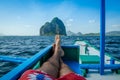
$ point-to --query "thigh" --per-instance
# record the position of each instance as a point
(64, 70)
(71, 76)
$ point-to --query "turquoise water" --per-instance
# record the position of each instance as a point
(26, 46)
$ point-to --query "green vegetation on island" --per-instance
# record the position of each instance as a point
(111, 33)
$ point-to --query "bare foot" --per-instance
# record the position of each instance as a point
(58, 48)
(53, 47)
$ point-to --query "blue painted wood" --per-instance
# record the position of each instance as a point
(74, 66)
(12, 59)
(97, 66)
(112, 61)
(102, 37)
(16, 72)
(70, 46)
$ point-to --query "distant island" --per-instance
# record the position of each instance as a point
(56, 26)
(111, 33)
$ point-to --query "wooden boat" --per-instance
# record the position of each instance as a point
(75, 57)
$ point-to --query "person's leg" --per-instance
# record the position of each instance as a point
(64, 70)
(66, 73)
(52, 66)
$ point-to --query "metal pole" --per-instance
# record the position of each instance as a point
(102, 36)
(112, 61)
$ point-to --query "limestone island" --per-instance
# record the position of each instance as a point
(56, 26)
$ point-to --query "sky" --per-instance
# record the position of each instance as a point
(25, 17)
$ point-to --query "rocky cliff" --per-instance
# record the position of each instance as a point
(56, 26)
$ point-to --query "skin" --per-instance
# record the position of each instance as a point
(55, 66)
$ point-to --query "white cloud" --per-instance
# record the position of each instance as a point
(27, 25)
(69, 22)
(115, 25)
(91, 21)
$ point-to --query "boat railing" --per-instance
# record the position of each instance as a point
(17, 71)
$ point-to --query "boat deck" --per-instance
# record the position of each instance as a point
(92, 51)
(94, 74)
